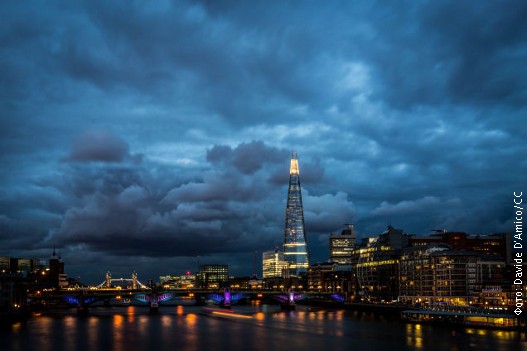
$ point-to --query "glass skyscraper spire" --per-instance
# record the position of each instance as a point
(295, 246)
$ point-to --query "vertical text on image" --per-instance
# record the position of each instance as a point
(517, 252)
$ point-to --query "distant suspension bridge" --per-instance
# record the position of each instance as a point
(133, 283)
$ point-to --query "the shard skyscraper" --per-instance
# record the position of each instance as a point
(295, 245)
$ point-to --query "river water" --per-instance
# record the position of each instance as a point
(255, 327)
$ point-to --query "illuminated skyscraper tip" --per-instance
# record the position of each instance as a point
(294, 164)
(295, 247)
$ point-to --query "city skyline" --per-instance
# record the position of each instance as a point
(142, 141)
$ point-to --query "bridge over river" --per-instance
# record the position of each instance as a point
(83, 298)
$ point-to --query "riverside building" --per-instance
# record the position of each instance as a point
(436, 274)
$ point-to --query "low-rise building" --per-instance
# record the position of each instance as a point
(212, 276)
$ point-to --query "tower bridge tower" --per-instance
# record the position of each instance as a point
(108, 280)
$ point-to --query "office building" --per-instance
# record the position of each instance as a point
(377, 266)
(274, 264)
(212, 276)
(341, 246)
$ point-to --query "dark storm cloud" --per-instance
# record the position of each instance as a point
(447, 51)
(246, 157)
(485, 46)
(117, 210)
(98, 145)
(131, 131)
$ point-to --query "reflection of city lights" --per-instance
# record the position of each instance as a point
(414, 336)
(16, 327)
(235, 315)
(166, 321)
(130, 311)
(191, 319)
(117, 320)
(179, 310)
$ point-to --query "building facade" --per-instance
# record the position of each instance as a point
(295, 245)
(212, 276)
(493, 244)
(13, 293)
(341, 246)
(436, 274)
(377, 266)
(186, 281)
(331, 277)
(274, 264)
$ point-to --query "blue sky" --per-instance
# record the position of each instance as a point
(138, 136)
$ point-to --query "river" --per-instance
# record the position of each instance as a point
(254, 327)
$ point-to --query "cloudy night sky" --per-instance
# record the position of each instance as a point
(136, 136)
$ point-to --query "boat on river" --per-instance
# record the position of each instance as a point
(466, 316)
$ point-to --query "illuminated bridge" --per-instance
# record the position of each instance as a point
(133, 282)
(141, 294)
(153, 298)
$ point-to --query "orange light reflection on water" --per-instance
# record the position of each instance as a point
(16, 327)
(70, 324)
(130, 312)
(191, 320)
(92, 330)
(118, 332)
(180, 310)
(166, 321)
(414, 336)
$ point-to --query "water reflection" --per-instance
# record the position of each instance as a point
(266, 328)
(70, 324)
(130, 312)
(44, 331)
(191, 333)
(118, 332)
(16, 327)
(414, 336)
(179, 310)
(92, 327)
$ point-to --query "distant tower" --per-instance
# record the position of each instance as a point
(295, 246)
(108, 280)
(134, 280)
